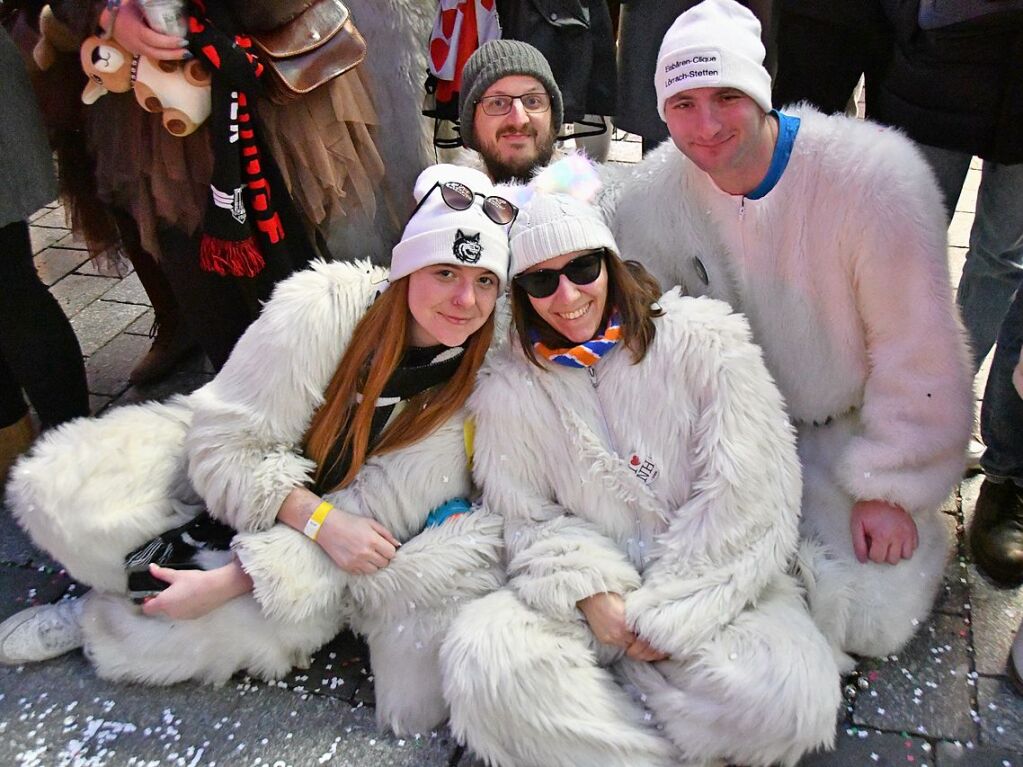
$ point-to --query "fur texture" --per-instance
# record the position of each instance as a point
(121, 480)
(842, 272)
(397, 34)
(700, 552)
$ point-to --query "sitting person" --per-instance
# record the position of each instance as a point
(828, 233)
(347, 384)
(644, 466)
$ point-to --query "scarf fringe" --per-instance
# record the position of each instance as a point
(229, 258)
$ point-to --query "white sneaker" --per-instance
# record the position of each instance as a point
(41, 633)
(974, 452)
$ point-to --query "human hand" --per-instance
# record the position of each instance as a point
(605, 612)
(194, 593)
(358, 545)
(642, 650)
(882, 532)
(133, 32)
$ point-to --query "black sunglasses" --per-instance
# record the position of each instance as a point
(581, 270)
(458, 196)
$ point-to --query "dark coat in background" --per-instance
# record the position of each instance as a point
(577, 39)
(958, 86)
(26, 167)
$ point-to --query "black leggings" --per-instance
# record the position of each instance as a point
(39, 352)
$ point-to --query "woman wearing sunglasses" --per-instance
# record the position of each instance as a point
(331, 443)
(641, 458)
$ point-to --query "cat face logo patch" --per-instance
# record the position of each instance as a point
(467, 247)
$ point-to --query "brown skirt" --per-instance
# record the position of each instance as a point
(323, 143)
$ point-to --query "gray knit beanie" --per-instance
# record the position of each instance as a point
(494, 60)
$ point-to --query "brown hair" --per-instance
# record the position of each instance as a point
(372, 356)
(630, 288)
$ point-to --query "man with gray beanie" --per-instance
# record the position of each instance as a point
(828, 233)
(511, 108)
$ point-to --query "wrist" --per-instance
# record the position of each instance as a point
(108, 18)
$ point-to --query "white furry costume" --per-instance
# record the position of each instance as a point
(700, 553)
(93, 490)
(842, 271)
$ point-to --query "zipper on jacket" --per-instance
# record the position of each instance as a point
(636, 548)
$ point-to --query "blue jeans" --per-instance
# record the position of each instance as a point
(994, 262)
(1001, 415)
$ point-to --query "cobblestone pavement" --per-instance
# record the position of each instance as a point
(943, 701)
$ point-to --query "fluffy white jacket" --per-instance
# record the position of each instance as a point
(675, 483)
(93, 490)
(842, 271)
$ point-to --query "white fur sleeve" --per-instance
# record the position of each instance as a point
(244, 444)
(918, 400)
(555, 558)
(738, 531)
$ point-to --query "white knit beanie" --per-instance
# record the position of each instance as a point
(437, 234)
(715, 44)
(551, 225)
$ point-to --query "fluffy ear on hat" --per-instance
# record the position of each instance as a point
(573, 175)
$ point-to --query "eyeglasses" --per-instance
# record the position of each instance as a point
(495, 106)
(458, 196)
(581, 270)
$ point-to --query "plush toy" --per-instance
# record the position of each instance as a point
(180, 90)
(54, 38)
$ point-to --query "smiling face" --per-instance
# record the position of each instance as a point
(725, 133)
(573, 311)
(448, 303)
(513, 144)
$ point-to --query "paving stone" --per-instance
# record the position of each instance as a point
(959, 230)
(76, 291)
(98, 403)
(141, 326)
(996, 616)
(43, 237)
(108, 369)
(73, 242)
(955, 591)
(22, 587)
(856, 746)
(99, 322)
(1001, 714)
(959, 755)
(337, 670)
(55, 218)
(54, 263)
(924, 690)
(969, 489)
(128, 291)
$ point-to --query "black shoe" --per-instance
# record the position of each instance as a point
(996, 533)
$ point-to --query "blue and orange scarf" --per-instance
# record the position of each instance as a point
(585, 354)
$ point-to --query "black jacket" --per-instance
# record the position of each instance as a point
(958, 86)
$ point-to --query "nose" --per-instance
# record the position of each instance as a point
(708, 124)
(518, 112)
(567, 290)
(465, 294)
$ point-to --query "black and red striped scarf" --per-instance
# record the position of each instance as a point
(250, 219)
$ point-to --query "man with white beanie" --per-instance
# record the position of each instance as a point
(828, 233)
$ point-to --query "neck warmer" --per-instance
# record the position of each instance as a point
(585, 354)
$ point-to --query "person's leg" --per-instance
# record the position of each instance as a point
(994, 263)
(525, 691)
(950, 168)
(996, 532)
(37, 342)
(12, 403)
(769, 675)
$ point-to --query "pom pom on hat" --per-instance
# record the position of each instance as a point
(715, 44)
(438, 234)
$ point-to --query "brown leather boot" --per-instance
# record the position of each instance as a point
(996, 533)
(14, 440)
(170, 346)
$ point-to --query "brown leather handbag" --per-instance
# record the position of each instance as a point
(316, 46)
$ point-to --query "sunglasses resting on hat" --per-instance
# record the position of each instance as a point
(458, 196)
(581, 270)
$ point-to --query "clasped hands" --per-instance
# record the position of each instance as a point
(605, 612)
(882, 532)
(134, 33)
